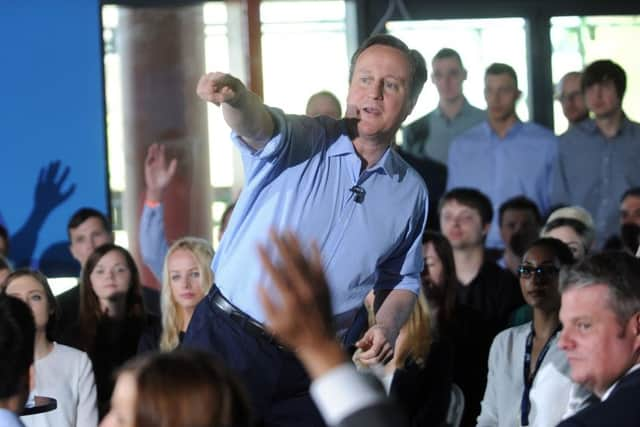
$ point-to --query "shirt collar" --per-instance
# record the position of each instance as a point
(466, 107)
(388, 163)
(610, 389)
(590, 126)
(512, 130)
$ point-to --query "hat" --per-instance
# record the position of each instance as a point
(573, 212)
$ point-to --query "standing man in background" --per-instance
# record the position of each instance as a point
(431, 135)
(571, 98)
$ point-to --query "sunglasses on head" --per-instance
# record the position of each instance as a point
(542, 271)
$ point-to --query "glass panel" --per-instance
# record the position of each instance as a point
(479, 42)
(293, 33)
(577, 41)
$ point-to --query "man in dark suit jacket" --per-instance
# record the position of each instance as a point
(301, 320)
(600, 314)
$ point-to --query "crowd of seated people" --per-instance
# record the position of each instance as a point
(499, 314)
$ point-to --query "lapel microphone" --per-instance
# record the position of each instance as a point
(358, 193)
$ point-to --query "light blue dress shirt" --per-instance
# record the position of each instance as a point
(9, 419)
(300, 181)
(518, 164)
(153, 241)
(594, 171)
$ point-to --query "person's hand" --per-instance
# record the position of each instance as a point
(376, 346)
(49, 193)
(157, 173)
(302, 318)
(220, 88)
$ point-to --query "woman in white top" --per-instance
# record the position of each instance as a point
(62, 372)
(528, 381)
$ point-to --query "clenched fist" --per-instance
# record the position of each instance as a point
(220, 87)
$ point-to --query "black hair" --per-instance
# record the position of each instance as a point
(602, 71)
(499, 68)
(560, 250)
(17, 340)
(633, 191)
(519, 203)
(83, 214)
(445, 53)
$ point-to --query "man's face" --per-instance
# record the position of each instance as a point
(462, 225)
(602, 99)
(514, 220)
(600, 349)
(379, 92)
(501, 94)
(572, 99)
(323, 106)
(630, 211)
(448, 76)
(86, 237)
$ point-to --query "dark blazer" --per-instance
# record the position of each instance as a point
(621, 408)
(381, 414)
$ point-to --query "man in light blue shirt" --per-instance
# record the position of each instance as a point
(503, 157)
(599, 159)
(431, 135)
(335, 183)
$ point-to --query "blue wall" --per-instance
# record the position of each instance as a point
(51, 108)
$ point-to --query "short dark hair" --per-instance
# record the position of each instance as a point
(602, 71)
(632, 192)
(472, 198)
(499, 68)
(559, 249)
(445, 53)
(325, 94)
(417, 64)
(4, 235)
(51, 299)
(519, 203)
(17, 339)
(83, 214)
(618, 271)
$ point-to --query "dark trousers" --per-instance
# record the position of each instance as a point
(276, 382)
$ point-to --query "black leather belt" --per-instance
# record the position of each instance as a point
(251, 326)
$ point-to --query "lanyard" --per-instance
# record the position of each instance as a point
(525, 405)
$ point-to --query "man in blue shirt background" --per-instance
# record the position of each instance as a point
(335, 183)
(503, 157)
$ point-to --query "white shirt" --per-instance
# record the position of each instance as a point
(550, 391)
(66, 375)
(343, 391)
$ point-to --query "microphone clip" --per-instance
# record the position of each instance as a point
(358, 193)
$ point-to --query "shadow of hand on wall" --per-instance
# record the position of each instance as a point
(51, 191)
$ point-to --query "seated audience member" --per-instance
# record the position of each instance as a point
(324, 103)
(112, 316)
(88, 229)
(158, 173)
(484, 289)
(419, 374)
(598, 159)
(61, 372)
(5, 269)
(571, 98)
(302, 319)
(528, 381)
(17, 337)
(430, 136)
(600, 314)
(574, 226)
(187, 278)
(628, 239)
(503, 157)
(177, 389)
(519, 221)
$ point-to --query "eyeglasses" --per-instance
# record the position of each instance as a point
(542, 271)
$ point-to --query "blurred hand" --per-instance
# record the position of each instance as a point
(219, 87)
(157, 173)
(49, 193)
(376, 346)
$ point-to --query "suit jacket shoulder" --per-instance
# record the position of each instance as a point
(621, 409)
(381, 414)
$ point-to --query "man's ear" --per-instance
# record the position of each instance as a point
(485, 229)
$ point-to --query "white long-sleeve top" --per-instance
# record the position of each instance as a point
(550, 391)
(66, 375)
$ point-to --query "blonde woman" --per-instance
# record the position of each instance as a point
(186, 279)
(419, 375)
